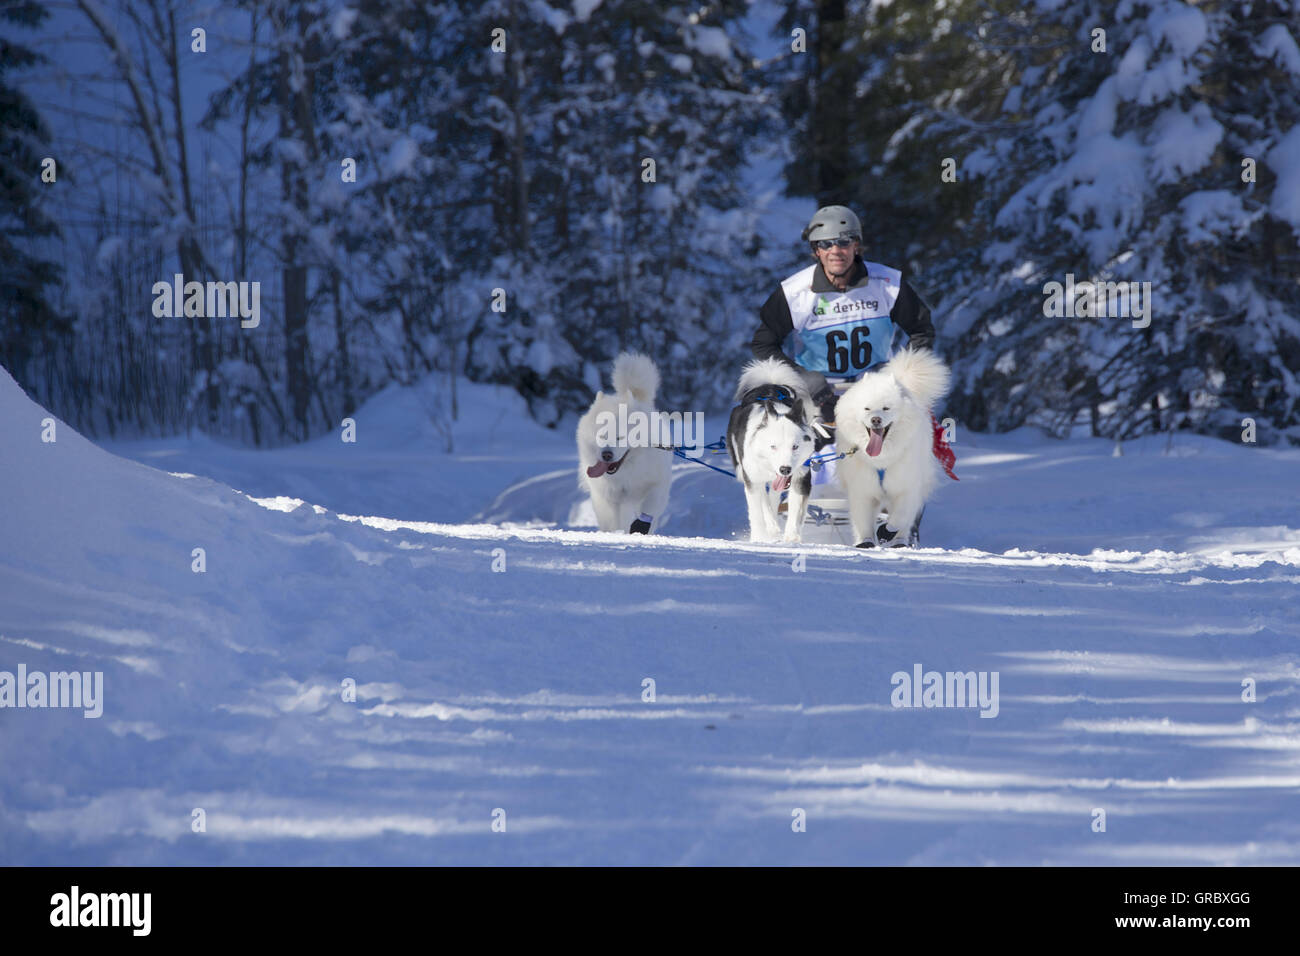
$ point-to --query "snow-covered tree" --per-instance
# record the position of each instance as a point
(27, 316)
(1128, 167)
(625, 128)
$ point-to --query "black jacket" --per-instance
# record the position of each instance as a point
(909, 313)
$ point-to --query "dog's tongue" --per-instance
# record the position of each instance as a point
(781, 483)
(875, 443)
(598, 469)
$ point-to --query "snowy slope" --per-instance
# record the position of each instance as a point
(1120, 670)
(398, 464)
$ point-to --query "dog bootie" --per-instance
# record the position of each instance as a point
(641, 525)
(889, 538)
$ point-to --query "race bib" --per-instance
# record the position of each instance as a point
(847, 348)
(842, 333)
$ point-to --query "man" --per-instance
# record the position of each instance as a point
(837, 316)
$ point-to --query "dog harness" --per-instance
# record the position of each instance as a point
(768, 393)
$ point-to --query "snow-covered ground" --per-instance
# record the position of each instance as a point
(1121, 601)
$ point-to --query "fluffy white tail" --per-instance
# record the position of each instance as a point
(922, 373)
(636, 375)
(771, 371)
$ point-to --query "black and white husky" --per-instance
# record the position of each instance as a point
(769, 438)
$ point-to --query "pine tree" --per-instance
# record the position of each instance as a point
(627, 128)
(27, 317)
(892, 91)
(1128, 169)
(1243, 343)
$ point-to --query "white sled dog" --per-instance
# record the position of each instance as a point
(769, 440)
(883, 421)
(628, 481)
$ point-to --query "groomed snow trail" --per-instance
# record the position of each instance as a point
(1120, 681)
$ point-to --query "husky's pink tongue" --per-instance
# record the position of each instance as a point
(875, 443)
(598, 469)
(781, 483)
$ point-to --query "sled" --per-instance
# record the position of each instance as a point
(828, 507)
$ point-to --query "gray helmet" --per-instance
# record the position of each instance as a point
(832, 222)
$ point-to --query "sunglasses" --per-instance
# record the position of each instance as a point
(841, 243)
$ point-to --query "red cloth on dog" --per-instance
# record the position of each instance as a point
(942, 450)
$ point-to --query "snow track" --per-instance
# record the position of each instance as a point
(1120, 685)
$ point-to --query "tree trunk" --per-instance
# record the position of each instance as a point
(193, 269)
(832, 104)
(518, 144)
(295, 93)
(341, 342)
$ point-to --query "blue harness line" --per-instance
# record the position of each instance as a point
(816, 461)
(681, 454)
(715, 446)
